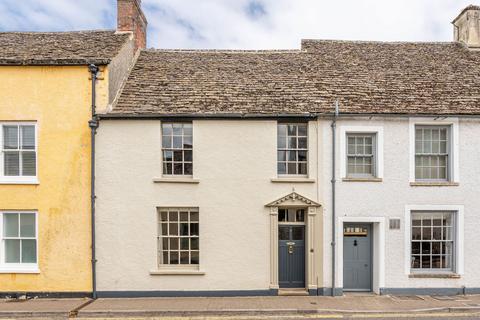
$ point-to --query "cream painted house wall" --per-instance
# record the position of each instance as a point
(374, 201)
(234, 162)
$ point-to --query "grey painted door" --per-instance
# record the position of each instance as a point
(291, 256)
(357, 257)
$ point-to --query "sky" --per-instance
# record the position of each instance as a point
(246, 24)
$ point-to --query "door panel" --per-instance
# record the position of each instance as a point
(357, 257)
(291, 256)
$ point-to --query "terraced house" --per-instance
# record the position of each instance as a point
(341, 166)
(45, 149)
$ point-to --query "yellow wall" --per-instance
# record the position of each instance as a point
(58, 98)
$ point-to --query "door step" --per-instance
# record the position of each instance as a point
(293, 292)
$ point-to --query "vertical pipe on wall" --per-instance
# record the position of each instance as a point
(334, 127)
(93, 124)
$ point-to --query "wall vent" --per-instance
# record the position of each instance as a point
(394, 224)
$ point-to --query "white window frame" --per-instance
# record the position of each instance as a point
(172, 175)
(453, 169)
(17, 267)
(458, 262)
(298, 175)
(160, 236)
(378, 161)
(18, 179)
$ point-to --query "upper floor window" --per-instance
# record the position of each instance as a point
(18, 151)
(177, 148)
(361, 155)
(292, 149)
(432, 153)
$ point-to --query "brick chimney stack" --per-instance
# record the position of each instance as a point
(466, 27)
(130, 18)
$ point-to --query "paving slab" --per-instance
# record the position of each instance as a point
(184, 306)
(40, 307)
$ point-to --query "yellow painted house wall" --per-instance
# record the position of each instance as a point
(59, 99)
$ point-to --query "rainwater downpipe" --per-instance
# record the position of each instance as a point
(334, 129)
(93, 124)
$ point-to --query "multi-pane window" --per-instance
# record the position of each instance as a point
(18, 150)
(361, 155)
(291, 215)
(432, 243)
(19, 238)
(431, 152)
(292, 149)
(177, 145)
(178, 239)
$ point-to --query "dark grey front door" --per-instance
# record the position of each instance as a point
(291, 256)
(357, 257)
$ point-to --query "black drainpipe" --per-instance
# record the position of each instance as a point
(93, 124)
(334, 127)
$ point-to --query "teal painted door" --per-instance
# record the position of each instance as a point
(357, 257)
(291, 256)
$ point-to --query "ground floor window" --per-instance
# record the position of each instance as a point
(178, 236)
(19, 238)
(433, 241)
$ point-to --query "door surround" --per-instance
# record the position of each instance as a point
(378, 252)
(294, 200)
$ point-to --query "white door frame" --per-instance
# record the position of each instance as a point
(378, 253)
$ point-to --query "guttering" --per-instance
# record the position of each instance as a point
(286, 116)
(334, 140)
(53, 62)
(93, 124)
(217, 116)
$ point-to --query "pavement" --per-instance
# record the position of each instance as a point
(287, 307)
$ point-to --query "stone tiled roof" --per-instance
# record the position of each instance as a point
(58, 48)
(366, 77)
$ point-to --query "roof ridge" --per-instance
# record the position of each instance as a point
(377, 41)
(59, 32)
(239, 51)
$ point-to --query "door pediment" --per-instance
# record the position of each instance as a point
(293, 200)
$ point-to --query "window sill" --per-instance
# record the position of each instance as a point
(434, 184)
(173, 272)
(292, 180)
(434, 275)
(362, 180)
(176, 180)
(33, 181)
(14, 270)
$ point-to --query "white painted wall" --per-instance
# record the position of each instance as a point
(389, 198)
(234, 162)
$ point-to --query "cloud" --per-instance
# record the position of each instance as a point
(246, 24)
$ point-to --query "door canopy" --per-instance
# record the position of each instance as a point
(293, 200)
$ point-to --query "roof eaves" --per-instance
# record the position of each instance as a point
(53, 62)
